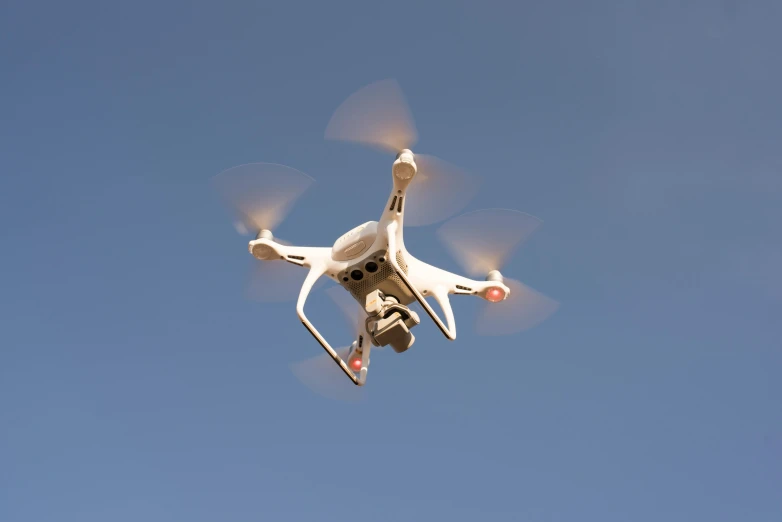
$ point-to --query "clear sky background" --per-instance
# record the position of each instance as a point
(138, 384)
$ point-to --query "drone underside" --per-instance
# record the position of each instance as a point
(371, 261)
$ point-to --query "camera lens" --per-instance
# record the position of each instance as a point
(358, 275)
(371, 267)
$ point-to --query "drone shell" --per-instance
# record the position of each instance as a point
(355, 242)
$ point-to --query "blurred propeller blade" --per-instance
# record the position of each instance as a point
(277, 281)
(321, 375)
(483, 240)
(523, 309)
(377, 115)
(261, 194)
(438, 191)
(352, 311)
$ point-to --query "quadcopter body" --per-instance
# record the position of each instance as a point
(371, 261)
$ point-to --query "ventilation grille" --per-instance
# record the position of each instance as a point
(400, 260)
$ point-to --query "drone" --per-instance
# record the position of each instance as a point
(371, 262)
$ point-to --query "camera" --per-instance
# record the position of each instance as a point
(389, 322)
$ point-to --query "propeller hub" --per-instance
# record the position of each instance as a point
(494, 276)
(404, 167)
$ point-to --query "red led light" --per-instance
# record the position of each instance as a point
(356, 364)
(495, 294)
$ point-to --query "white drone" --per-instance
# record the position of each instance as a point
(371, 261)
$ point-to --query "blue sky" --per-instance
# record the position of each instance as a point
(137, 383)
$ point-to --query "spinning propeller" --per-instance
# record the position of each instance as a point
(481, 242)
(261, 195)
(378, 116)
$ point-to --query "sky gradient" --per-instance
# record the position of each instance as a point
(137, 382)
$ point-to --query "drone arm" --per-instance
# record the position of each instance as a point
(316, 271)
(441, 295)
